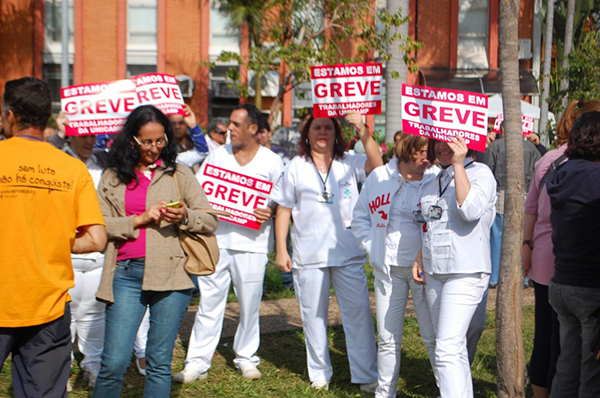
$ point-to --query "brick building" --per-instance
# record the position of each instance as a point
(114, 39)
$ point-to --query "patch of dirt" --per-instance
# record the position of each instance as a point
(284, 314)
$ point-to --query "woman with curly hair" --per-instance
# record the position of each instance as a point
(319, 188)
(144, 263)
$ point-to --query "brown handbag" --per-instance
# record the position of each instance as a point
(201, 249)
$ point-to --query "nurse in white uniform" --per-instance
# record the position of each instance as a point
(319, 188)
(458, 207)
(387, 224)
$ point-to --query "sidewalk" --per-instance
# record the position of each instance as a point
(284, 314)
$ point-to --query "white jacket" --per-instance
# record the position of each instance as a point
(371, 213)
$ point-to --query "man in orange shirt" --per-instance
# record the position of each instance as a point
(51, 211)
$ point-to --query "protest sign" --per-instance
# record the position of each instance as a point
(235, 193)
(526, 122)
(101, 108)
(441, 114)
(339, 89)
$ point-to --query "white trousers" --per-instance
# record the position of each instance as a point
(87, 314)
(141, 338)
(246, 271)
(453, 299)
(391, 300)
(312, 293)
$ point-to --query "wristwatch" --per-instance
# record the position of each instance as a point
(529, 243)
(185, 222)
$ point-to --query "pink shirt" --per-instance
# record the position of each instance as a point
(542, 259)
(135, 203)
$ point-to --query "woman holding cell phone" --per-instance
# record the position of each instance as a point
(458, 208)
(319, 188)
(144, 264)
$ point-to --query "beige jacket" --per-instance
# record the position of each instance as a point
(164, 256)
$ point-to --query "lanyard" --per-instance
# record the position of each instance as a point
(31, 137)
(440, 190)
(324, 181)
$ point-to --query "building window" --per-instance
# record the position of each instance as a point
(473, 28)
(52, 55)
(142, 36)
(53, 20)
(222, 37)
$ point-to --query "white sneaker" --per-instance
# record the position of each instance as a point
(320, 385)
(369, 387)
(188, 375)
(249, 371)
(138, 364)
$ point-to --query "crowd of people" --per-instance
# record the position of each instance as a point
(100, 262)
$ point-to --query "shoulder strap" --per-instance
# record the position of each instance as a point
(209, 211)
(550, 170)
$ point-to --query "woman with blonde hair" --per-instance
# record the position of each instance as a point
(387, 224)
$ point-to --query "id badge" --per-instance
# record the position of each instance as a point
(325, 197)
(418, 217)
(435, 212)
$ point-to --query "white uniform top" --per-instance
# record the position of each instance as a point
(459, 242)
(265, 165)
(96, 172)
(191, 157)
(321, 232)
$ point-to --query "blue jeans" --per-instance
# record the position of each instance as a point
(577, 370)
(123, 318)
(496, 247)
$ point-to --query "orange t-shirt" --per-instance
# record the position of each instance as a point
(45, 195)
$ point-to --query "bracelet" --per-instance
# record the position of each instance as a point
(529, 243)
(185, 222)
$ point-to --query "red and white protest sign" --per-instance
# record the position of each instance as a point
(339, 89)
(441, 114)
(101, 108)
(526, 122)
(235, 193)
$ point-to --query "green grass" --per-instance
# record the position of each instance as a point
(283, 365)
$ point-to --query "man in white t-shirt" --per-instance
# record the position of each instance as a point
(217, 135)
(243, 257)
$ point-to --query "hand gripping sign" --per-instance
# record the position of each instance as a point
(339, 89)
(526, 123)
(235, 193)
(101, 108)
(441, 114)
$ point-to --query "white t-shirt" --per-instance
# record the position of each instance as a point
(321, 233)
(266, 165)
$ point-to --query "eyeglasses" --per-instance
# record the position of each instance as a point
(221, 132)
(159, 143)
(181, 122)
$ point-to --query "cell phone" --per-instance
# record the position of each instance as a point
(173, 205)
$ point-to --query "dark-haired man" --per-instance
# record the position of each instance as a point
(217, 135)
(52, 211)
(243, 256)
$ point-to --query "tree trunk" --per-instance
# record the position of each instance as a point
(509, 339)
(258, 91)
(543, 130)
(393, 87)
(568, 44)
